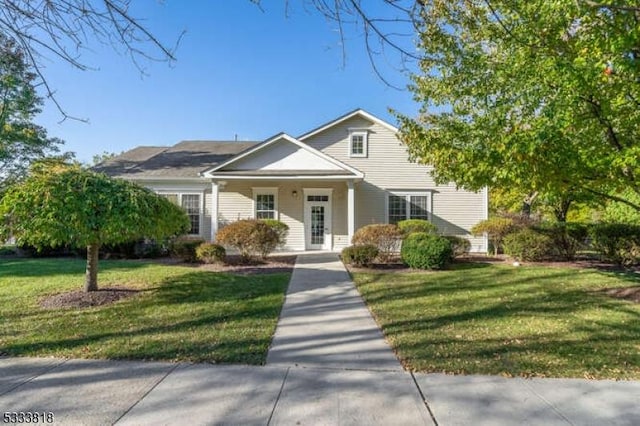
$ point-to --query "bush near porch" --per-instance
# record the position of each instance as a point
(421, 250)
(386, 237)
(253, 238)
(391, 239)
(362, 255)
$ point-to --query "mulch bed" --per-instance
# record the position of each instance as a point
(272, 265)
(104, 296)
(81, 299)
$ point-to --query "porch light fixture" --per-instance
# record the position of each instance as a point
(294, 193)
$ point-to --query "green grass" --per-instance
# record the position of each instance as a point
(181, 314)
(527, 321)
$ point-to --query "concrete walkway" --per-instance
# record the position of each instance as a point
(328, 365)
(90, 392)
(324, 322)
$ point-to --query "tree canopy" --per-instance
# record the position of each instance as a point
(21, 141)
(543, 96)
(66, 205)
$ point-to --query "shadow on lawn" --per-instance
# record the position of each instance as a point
(41, 267)
(198, 303)
(554, 327)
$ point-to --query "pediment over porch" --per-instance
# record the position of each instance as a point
(284, 157)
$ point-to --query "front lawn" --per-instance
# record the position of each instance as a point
(180, 313)
(498, 319)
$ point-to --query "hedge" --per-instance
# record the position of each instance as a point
(184, 248)
(426, 251)
(617, 242)
(387, 238)
(362, 255)
(252, 238)
(281, 229)
(567, 238)
(210, 253)
(410, 226)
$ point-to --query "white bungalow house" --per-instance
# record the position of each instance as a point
(324, 184)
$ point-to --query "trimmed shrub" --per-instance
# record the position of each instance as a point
(496, 229)
(426, 251)
(27, 250)
(184, 248)
(387, 238)
(151, 249)
(528, 245)
(210, 253)
(567, 238)
(459, 245)
(410, 226)
(361, 255)
(616, 242)
(252, 238)
(141, 249)
(281, 228)
(119, 251)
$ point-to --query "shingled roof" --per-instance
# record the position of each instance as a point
(184, 160)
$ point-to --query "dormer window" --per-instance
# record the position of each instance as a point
(358, 143)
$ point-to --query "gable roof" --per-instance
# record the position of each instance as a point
(192, 160)
(183, 160)
(336, 168)
(355, 113)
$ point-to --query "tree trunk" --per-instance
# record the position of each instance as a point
(562, 209)
(527, 202)
(91, 281)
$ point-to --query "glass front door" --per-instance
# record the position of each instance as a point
(317, 225)
(317, 220)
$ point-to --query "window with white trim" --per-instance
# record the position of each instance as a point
(401, 206)
(266, 203)
(191, 205)
(358, 143)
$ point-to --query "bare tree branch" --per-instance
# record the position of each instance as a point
(65, 28)
(388, 33)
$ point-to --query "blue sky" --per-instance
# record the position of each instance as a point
(239, 71)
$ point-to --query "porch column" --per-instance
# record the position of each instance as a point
(351, 210)
(214, 210)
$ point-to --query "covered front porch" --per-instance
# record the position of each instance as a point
(320, 213)
(287, 180)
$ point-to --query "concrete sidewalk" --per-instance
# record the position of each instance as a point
(328, 365)
(90, 392)
(325, 323)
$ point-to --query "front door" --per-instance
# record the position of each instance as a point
(317, 220)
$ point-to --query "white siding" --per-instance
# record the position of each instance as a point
(386, 168)
(236, 202)
(455, 212)
(283, 155)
